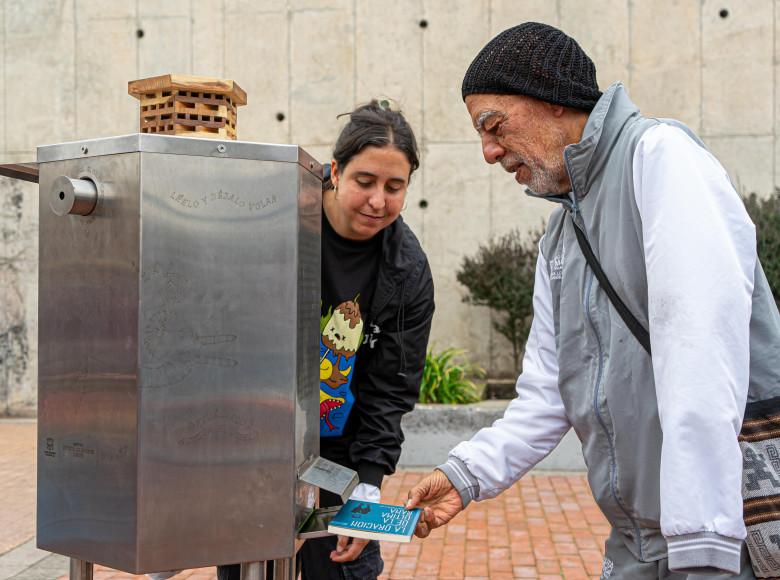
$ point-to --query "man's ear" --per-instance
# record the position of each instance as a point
(557, 110)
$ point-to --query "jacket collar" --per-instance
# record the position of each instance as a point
(397, 256)
(586, 159)
(400, 255)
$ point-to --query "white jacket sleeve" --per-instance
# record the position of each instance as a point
(533, 423)
(700, 253)
(366, 492)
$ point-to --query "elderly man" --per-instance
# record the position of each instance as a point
(670, 239)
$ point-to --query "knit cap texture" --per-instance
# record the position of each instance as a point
(536, 60)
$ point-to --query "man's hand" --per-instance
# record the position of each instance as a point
(439, 499)
(347, 550)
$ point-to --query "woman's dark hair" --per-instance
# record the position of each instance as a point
(374, 125)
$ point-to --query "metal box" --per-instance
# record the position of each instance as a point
(178, 371)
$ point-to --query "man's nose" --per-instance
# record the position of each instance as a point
(491, 149)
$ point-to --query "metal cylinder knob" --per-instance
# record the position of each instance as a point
(73, 196)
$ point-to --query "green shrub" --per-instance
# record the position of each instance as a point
(765, 213)
(501, 276)
(446, 378)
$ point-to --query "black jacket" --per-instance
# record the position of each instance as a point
(387, 377)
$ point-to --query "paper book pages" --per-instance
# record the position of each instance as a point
(375, 521)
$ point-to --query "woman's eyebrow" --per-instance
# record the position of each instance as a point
(369, 174)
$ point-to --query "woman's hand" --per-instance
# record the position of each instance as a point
(346, 550)
(439, 500)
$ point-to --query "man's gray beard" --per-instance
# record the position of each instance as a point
(545, 179)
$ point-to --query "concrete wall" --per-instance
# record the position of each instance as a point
(64, 67)
(431, 431)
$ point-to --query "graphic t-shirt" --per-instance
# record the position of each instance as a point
(349, 270)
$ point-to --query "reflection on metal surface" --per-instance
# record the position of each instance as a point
(284, 569)
(73, 196)
(87, 368)
(219, 424)
(23, 171)
(253, 571)
(317, 524)
(178, 354)
(80, 570)
(172, 347)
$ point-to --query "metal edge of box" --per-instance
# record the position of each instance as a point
(176, 145)
(309, 163)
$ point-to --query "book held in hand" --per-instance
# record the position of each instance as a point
(375, 521)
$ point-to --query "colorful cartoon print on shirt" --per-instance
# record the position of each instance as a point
(341, 337)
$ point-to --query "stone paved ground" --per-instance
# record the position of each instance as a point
(17, 483)
(546, 526)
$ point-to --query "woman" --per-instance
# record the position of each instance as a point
(376, 310)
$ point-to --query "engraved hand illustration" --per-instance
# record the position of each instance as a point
(171, 347)
(217, 423)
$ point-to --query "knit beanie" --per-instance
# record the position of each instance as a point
(537, 60)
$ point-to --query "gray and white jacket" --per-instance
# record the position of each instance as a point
(659, 434)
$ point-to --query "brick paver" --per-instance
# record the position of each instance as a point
(546, 526)
(17, 483)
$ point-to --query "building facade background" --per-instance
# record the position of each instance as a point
(65, 64)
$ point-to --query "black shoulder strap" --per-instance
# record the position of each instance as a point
(633, 324)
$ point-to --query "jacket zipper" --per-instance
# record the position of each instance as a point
(574, 208)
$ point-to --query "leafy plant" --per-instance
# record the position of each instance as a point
(765, 213)
(501, 276)
(446, 378)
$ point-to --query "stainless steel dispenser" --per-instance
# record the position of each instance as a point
(178, 370)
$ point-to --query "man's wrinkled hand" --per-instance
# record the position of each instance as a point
(346, 550)
(439, 500)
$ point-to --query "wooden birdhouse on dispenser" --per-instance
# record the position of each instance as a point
(188, 106)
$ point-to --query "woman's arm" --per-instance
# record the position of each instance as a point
(392, 383)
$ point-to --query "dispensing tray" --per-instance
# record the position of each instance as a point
(316, 525)
(330, 476)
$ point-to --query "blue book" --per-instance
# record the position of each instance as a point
(375, 521)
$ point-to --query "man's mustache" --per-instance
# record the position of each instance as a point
(511, 161)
